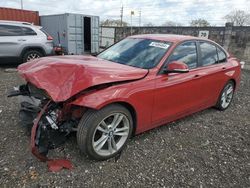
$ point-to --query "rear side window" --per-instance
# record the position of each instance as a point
(208, 54)
(9, 30)
(222, 56)
(186, 53)
(28, 31)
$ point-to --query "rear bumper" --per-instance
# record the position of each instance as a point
(49, 48)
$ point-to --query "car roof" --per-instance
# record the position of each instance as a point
(168, 37)
(15, 22)
(18, 23)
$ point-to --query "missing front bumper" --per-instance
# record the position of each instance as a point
(40, 116)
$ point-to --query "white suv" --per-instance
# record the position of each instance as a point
(23, 41)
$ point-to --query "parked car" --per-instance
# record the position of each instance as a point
(140, 83)
(22, 41)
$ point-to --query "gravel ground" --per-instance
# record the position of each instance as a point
(207, 149)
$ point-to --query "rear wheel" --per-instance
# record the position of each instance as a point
(103, 134)
(226, 96)
(31, 54)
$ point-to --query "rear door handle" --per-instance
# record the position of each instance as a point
(21, 39)
(223, 68)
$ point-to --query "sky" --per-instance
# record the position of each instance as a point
(155, 11)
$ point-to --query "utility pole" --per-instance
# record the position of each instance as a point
(121, 16)
(140, 18)
(132, 13)
(140, 21)
(21, 4)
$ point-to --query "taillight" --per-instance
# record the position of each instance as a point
(49, 37)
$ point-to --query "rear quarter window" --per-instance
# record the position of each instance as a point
(28, 31)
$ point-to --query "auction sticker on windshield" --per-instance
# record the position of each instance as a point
(159, 45)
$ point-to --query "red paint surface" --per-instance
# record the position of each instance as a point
(156, 98)
(58, 164)
(65, 76)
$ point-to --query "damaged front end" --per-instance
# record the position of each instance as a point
(50, 123)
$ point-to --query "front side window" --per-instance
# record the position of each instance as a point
(9, 30)
(28, 31)
(185, 53)
(137, 52)
(208, 54)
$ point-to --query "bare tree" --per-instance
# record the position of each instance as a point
(238, 17)
(171, 23)
(115, 23)
(200, 23)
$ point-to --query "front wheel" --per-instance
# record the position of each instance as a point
(103, 134)
(226, 96)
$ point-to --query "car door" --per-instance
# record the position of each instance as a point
(31, 38)
(10, 40)
(177, 94)
(213, 66)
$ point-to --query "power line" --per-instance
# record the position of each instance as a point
(208, 12)
(150, 4)
(160, 4)
(156, 7)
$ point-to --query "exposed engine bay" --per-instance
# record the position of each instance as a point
(57, 121)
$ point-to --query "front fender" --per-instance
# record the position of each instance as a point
(100, 98)
(138, 94)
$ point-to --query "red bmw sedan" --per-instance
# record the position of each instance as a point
(137, 84)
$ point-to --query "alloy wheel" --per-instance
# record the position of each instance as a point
(32, 56)
(110, 134)
(227, 96)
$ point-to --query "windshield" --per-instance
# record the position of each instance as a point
(141, 53)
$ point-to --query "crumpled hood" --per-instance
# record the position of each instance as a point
(64, 76)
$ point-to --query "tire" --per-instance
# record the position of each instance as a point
(30, 55)
(97, 134)
(226, 96)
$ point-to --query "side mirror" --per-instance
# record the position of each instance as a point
(176, 67)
